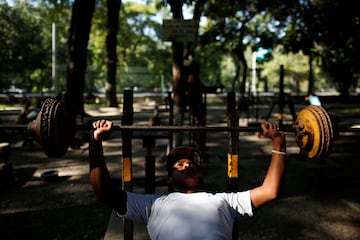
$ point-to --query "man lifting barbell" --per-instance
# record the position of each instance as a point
(176, 215)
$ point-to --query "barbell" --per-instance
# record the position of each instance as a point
(55, 127)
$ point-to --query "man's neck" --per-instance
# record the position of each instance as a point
(187, 191)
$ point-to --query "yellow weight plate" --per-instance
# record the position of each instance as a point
(318, 147)
(309, 133)
(327, 128)
(314, 132)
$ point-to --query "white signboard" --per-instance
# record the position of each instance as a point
(179, 30)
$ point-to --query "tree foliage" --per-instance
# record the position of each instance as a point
(327, 31)
(21, 48)
(237, 25)
(323, 32)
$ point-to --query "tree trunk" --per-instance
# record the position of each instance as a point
(244, 73)
(113, 8)
(237, 72)
(190, 48)
(178, 62)
(82, 13)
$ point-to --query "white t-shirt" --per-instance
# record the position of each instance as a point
(188, 216)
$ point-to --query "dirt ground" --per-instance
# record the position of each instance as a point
(319, 199)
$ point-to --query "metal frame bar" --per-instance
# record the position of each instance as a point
(147, 128)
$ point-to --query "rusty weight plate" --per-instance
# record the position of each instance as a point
(314, 132)
(56, 127)
(328, 131)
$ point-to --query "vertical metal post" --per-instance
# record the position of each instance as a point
(171, 119)
(149, 143)
(281, 96)
(53, 57)
(253, 76)
(127, 119)
(233, 151)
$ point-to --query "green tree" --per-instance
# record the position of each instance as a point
(21, 48)
(58, 13)
(142, 59)
(326, 31)
(233, 27)
(237, 25)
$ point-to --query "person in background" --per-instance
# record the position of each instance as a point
(26, 116)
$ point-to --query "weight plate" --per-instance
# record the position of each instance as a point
(314, 132)
(308, 135)
(56, 128)
(328, 132)
(317, 146)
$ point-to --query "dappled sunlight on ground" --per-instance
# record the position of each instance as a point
(319, 199)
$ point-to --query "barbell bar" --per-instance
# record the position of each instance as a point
(54, 128)
(147, 128)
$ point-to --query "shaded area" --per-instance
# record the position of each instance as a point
(73, 222)
(319, 200)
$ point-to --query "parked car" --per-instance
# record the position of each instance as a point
(14, 94)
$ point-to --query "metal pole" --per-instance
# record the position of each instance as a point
(127, 119)
(253, 82)
(53, 51)
(281, 96)
(157, 129)
(233, 152)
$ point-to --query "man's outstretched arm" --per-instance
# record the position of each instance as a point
(100, 179)
(269, 189)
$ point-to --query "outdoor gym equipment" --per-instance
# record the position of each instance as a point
(55, 126)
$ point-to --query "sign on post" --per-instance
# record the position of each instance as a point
(263, 54)
(178, 30)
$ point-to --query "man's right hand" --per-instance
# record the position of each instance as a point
(271, 130)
